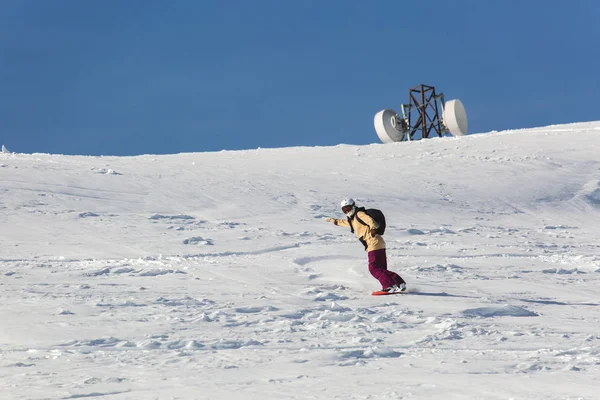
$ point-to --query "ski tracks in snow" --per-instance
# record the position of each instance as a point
(279, 305)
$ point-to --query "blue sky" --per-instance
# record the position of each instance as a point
(131, 77)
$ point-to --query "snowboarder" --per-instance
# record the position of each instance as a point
(374, 244)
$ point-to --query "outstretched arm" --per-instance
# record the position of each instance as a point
(338, 222)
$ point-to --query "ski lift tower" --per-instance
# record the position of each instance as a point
(421, 117)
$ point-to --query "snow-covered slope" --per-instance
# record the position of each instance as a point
(214, 275)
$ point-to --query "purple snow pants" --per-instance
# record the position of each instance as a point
(378, 268)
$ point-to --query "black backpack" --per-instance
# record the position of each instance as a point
(374, 213)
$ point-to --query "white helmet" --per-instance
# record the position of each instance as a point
(348, 207)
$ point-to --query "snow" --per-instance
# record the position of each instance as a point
(215, 276)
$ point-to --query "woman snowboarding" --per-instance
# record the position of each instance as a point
(366, 228)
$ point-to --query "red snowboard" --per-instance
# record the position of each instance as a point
(383, 293)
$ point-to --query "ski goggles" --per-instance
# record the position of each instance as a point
(347, 209)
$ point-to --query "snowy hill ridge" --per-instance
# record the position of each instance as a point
(213, 275)
(499, 173)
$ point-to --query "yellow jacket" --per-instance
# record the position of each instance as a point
(363, 232)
